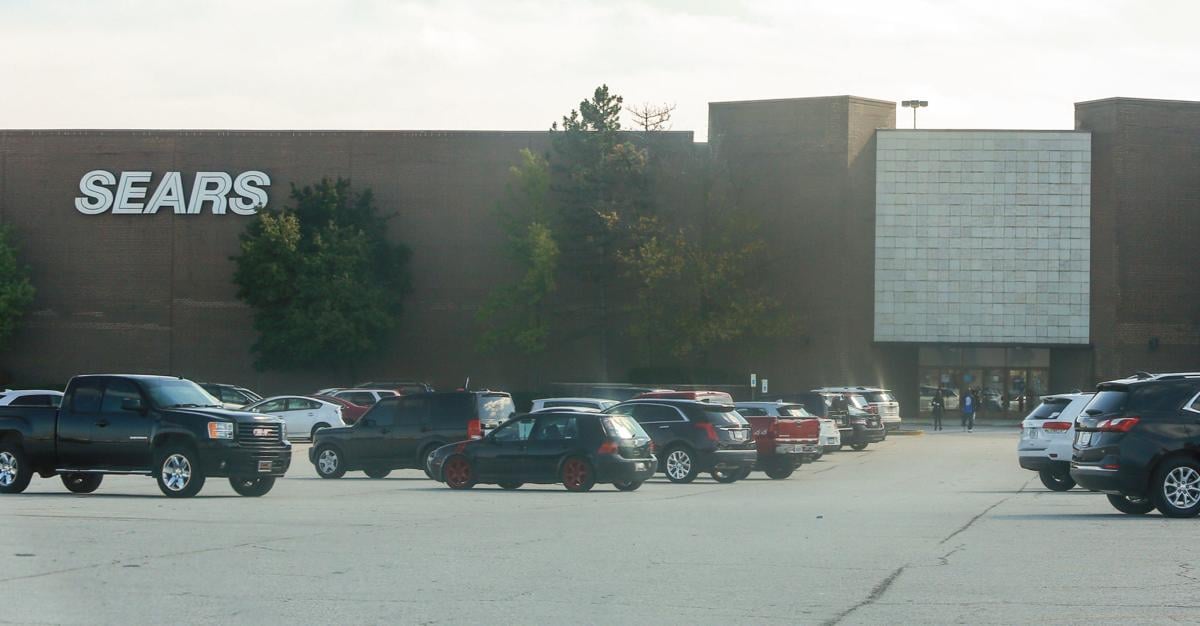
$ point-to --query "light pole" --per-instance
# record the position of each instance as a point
(914, 105)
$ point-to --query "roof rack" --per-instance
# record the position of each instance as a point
(1142, 375)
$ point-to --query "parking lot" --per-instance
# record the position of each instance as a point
(938, 528)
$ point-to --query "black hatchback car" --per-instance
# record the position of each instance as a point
(1138, 441)
(695, 437)
(575, 449)
(402, 432)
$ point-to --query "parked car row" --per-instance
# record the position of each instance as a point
(1136, 440)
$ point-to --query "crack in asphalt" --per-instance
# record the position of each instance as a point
(982, 513)
(874, 596)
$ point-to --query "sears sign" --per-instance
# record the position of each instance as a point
(127, 193)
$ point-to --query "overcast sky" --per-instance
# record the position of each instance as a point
(520, 65)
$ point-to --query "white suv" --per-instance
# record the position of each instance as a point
(598, 404)
(875, 400)
(1047, 435)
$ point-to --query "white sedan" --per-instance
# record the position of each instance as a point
(302, 416)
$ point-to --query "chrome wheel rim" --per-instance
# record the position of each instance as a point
(8, 469)
(679, 464)
(327, 462)
(177, 472)
(1182, 487)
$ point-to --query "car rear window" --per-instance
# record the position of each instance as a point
(856, 400)
(623, 427)
(1049, 409)
(1108, 401)
(794, 411)
(879, 396)
(496, 407)
(727, 417)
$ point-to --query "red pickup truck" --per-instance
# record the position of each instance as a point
(784, 441)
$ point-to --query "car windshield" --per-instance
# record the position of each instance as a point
(1049, 409)
(496, 408)
(1107, 401)
(879, 396)
(623, 427)
(726, 417)
(179, 393)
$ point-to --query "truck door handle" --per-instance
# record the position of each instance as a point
(102, 423)
(664, 427)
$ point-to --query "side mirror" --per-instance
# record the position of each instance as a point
(133, 404)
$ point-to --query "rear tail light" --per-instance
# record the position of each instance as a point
(708, 429)
(1117, 424)
(475, 429)
(608, 447)
(1057, 426)
(652, 448)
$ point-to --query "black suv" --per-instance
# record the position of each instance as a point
(692, 437)
(402, 432)
(1138, 440)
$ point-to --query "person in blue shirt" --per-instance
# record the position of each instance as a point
(968, 410)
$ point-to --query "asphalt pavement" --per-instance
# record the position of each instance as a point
(943, 528)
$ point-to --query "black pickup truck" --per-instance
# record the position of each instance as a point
(160, 426)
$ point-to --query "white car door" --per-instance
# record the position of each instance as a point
(302, 416)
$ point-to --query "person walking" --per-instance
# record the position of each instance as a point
(938, 404)
(968, 410)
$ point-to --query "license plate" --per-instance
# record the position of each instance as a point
(639, 466)
(739, 435)
(264, 466)
(1083, 440)
(1031, 433)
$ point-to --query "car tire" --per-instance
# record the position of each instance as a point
(458, 472)
(178, 472)
(424, 457)
(859, 446)
(330, 462)
(377, 472)
(745, 472)
(1057, 481)
(253, 487)
(81, 482)
(628, 485)
(1131, 506)
(577, 474)
(15, 471)
(312, 435)
(510, 486)
(727, 476)
(679, 464)
(1176, 491)
(780, 471)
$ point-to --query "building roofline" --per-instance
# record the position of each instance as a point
(1129, 99)
(767, 100)
(985, 130)
(297, 132)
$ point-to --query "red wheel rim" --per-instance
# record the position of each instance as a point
(458, 472)
(574, 474)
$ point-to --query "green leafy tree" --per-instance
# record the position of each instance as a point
(325, 284)
(516, 315)
(16, 290)
(696, 286)
(602, 195)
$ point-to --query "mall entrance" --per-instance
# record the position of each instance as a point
(1008, 379)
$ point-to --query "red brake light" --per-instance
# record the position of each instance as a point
(1056, 425)
(608, 447)
(475, 429)
(708, 428)
(652, 449)
(1118, 424)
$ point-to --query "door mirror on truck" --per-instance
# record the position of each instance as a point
(133, 404)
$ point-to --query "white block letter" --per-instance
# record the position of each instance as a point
(248, 185)
(129, 190)
(168, 194)
(96, 199)
(209, 186)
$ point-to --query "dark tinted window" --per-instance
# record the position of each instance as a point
(515, 430)
(115, 394)
(272, 406)
(649, 413)
(35, 400)
(410, 411)
(754, 412)
(452, 407)
(1049, 409)
(724, 418)
(301, 404)
(1107, 401)
(555, 427)
(1165, 396)
(383, 413)
(86, 396)
(622, 427)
